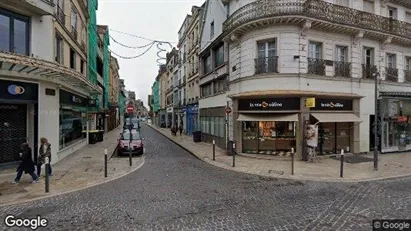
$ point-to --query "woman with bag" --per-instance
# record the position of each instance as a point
(44, 151)
(27, 165)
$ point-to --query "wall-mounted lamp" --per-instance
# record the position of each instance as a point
(296, 57)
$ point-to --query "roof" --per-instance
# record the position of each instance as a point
(267, 93)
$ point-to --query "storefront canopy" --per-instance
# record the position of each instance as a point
(336, 117)
(271, 117)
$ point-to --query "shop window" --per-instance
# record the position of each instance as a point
(14, 33)
(71, 127)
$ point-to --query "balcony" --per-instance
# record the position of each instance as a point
(321, 13)
(61, 17)
(316, 66)
(31, 7)
(83, 46)
(391, 74)
(266, 65)
(407, 76)
(368, 71)
(74, 34)
(342, 69)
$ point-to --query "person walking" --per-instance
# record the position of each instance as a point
(44, 151)
(180, 128)
(27, 165)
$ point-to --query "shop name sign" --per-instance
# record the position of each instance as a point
(269, 104)
(333, 104)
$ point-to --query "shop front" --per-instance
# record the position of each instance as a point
(169, 116)
(395, 114)
(73, 109)
(192, 119)
(336, 121)
(18, 118)
(269, 125)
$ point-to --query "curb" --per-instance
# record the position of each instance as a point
(285, 177)
(75, 190)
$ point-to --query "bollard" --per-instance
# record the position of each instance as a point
(105, 162)
(292, 161)
(233, 154)
(130, 159)
(342, 164)
(47, 175)
(213, 149)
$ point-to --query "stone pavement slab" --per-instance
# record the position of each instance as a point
(84, 168)
(328, 169)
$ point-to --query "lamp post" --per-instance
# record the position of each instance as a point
(376, 75)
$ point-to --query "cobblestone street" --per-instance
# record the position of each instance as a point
(175, 191)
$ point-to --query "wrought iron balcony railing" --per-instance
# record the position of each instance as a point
(316, 66)
(368, 71)
(407, 76)
(391, 74)
(61, 17)
(342, 69)
(314, 9)
(266, 65)
(74, 33)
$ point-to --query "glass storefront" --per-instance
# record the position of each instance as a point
(333, 137)
(71, 126)
(268, 137)
(396, 124)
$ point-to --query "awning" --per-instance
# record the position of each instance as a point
(270, 117)
(336, 117)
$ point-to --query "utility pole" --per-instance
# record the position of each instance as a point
(376, 75)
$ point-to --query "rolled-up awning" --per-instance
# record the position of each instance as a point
(270, 117)
(336, 117)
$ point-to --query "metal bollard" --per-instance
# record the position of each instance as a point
(105, 162)
(292, 161)
(130, 159)
(233, 154)
(47, 175)
(342, 164)
(213, 149)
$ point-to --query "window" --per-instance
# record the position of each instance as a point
(391, 60)
(82, 66)
(220, 86)
(71, 127)
(342, 2)
(368, 56)
(266, 61)
(267, 49)
(72, 59)
(212, 29)
(207, 64)
(341, 54)
(14, 36)
(212, 126)
(392, 12)
(73, 19)
(368, 6)
(206, 90)
(408, 63)
(219, 56)
(59, 49)
(314, 50)
(408, 17)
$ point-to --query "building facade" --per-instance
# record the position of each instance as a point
(213, 74)
(43, 74)
(172, 80)
(163, 86)
(303, 54)
(113, 102)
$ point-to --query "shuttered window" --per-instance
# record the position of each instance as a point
(368, 6)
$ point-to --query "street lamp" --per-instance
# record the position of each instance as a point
(375, 76)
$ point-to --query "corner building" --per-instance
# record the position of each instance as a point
(282, 52)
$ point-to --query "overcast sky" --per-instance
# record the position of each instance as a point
(153, 19)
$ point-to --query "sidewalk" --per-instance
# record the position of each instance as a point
(82, 169)
(390, 165)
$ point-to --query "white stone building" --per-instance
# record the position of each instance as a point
(283, 52)
(39, 76)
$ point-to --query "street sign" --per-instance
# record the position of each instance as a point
(227, 110)
(310, 102)
(130, 108)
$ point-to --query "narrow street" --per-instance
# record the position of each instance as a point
(176, 191)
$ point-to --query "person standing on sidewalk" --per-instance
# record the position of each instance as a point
(180, 128)
(44, 151)
(27, 165)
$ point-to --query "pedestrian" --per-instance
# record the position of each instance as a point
(44, 151)
(180, 128)
(27, 165)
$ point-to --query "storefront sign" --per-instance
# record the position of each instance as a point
(333, 105)
(72, 99)
(310, 102)
(269, 104)
(18, 90)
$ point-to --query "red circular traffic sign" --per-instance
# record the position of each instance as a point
(227, 110)
(130, 108)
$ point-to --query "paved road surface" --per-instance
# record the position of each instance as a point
(175, 191)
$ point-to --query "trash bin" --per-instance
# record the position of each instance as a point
(230, 148)
(92, 137)
(197, 136)
(100, 136)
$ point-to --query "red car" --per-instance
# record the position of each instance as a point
(128, 139)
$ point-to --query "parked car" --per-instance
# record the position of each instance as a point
(130, 138)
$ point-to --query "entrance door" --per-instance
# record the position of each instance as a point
(13, 131)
